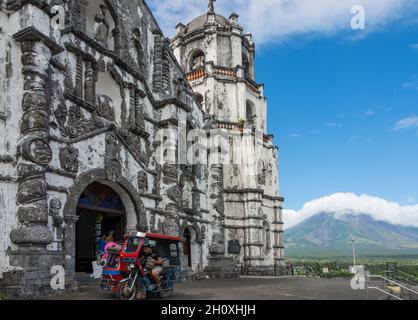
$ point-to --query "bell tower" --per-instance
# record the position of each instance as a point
(218, 57)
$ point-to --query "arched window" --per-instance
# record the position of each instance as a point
(200, 99)
(246, 66)
(250, 111)
(197, 60)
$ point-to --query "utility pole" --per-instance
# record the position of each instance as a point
(354, 253)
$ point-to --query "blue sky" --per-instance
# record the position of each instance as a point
(333, 106)
(343, 104)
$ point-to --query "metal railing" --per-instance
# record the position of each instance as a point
(387, 281)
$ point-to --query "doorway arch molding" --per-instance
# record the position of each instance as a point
(100, 175)
(195, 227)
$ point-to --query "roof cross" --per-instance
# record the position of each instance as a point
(211, 7)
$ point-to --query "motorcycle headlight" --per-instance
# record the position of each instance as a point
(131, 266)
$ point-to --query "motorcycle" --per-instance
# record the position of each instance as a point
(140, 282)
(126, 276)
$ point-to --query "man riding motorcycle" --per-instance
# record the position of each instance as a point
(152, 260)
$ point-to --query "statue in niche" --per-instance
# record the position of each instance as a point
(106, 108)
(69, 159)
(142, 182)
(55, 206)
(137, 42)
(198, 62)
(101, 27)
(181, 91)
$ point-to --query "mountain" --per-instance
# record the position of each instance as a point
(331, 234)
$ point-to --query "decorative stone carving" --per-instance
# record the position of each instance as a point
(101, 28)
(78, 125)
(137, 43)
(217, 246)
(61, 114)
(203, 231)
(55, 206)
(152, 223)
(69, 159)
(162, 70)
(90, 79)
(33, 100)
(196, 201)
(34, 120)
(157, 181)
(174, 194)
(37, 150)
(135, 145)
(32, 235)
(113, 164)
(35, 212)
(106, 108)
(170, 174)
(142, 182)
(170, 227)
(31, 190)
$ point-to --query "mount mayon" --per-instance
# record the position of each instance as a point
(331, 234)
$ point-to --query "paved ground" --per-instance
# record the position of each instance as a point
(284, 288)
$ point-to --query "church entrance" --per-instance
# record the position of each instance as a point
(101, 216)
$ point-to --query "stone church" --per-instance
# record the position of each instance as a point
(94, 101)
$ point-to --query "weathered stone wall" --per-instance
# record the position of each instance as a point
(85, 104)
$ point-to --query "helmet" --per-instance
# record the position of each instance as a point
(146, 243)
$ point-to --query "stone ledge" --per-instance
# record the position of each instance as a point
(32, 34)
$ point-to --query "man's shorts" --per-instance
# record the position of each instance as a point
(157, 270)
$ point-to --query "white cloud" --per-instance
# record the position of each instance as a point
(343, 203)
(410, 85)
(414, 46)
(407, 123)
(294, 135)
(334, 124)
(275, 20)
(369, 113)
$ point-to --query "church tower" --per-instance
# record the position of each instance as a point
(217, 57)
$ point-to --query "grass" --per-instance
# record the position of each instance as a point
(338, 266)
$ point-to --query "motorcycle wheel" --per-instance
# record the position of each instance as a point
(165, 291)
(124, 292)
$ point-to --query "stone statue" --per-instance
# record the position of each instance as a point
(101, 28)
(106, 108)
(69, 159)
(137, 41)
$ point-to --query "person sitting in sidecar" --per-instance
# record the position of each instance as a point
(152, 261)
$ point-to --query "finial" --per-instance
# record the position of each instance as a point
(211, 7)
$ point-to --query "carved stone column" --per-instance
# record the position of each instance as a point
(69, 249)
(33, 235)
(36, 153)
(219, 265)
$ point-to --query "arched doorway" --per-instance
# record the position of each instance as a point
(187, 247)
(101, 213)
(192, 248)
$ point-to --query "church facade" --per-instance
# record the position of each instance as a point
(97, 112)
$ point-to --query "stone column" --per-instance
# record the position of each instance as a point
(69, 250)
(219, 265)
(33, 235)
(36, 153)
